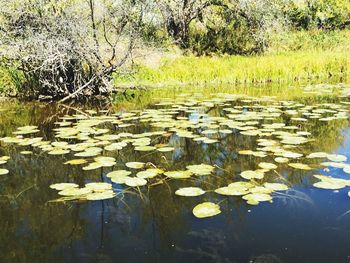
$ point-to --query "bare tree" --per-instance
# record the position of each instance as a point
(68, 48)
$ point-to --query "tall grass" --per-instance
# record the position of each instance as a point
(282, 67)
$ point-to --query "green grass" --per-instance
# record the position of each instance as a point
(292, 56)
(282, 67)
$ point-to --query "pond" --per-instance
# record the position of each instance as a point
(221, 175)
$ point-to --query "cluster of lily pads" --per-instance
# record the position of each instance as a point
(90, 136)
(3, 160)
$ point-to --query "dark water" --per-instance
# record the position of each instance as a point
(307, 225)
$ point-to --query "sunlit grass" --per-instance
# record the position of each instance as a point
(278, 68)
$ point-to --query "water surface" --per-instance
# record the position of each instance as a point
(305, 224)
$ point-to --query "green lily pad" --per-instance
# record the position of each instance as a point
(76, 161)
(166, 149)
(92, 166)
(257, 197)
(75, 191)
(118, 173)
(336, 157)
(249, 174)
(206, 209)
(4, 171)
(100, 195)
(300, 166)
(145, 148)
(63, 186)
(276, 186)
(149, 173)
(135, 165)
(178, 174)
(190, 191)
(135, 181)
(201, 169)
(98, 187)
(234, 191)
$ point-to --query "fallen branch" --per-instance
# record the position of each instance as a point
(78, 90)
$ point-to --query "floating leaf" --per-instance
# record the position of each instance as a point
(281, 160)
(257, 197)
(149, 173)
(166, 149)
(92, 166)
(190, 191)
(76, 161)
(300, 166)
(268, 166)
(206, 209)
(276, 186)
(336, 157)
(234, 191)
(135, 181)
(317, 155)
(98, 187)
(200, 169)
(118, 173)
(4, 171)
(178, 174)
(62, 186)
(135, 165)
(101, 195)
(328, 185)
(145, 148)
(249, 174)
(241, 185)
(58, 152)
(75, 191)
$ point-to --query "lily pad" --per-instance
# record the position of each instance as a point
(190, 191)
(268, 166)
(234, 191)
(249, 174)
(178, 174)
(75, 191)
(4, 171)
(135, 165)
(63, 186)
(76, 161)
(200, 169)
(276, 186)
(101, 195)
(300, 166)
(98, 187)
(135, 181)
(206, 209)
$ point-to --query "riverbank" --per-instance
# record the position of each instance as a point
(284, 67)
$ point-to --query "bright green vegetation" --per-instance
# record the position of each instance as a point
(284, 67)
(298, 56)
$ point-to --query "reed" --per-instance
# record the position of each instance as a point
(283, 67)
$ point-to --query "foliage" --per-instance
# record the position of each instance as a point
(241, 27)
(317, 40)
(328, 14)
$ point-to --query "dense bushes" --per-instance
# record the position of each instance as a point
(246, 27)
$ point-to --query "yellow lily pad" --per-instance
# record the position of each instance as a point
(206, 209)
